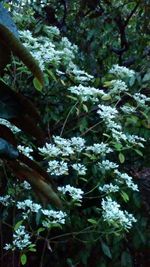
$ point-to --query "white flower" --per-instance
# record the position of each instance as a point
(64, 145)
(21, 239)
(106, 112)
(50, 150)
(135, 140)
(77, 143)
(128, 109)
(6, 200)
(125, 178)
(107, 165)
(26, 185)
(86, 93)
(141, 99)
(57, 167)
(100, 148)
(113, 215)
(113, 125)
(53, 217)
(75, 193)
(28, 205)
(80, 75)
(25, 150)
(109, 188)
(122, 72)
(117, 86)
(80, 168)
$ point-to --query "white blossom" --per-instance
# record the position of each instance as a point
(109, 188)
(128, 109)
(25, 150)
(57, 167)
(113, 215)
(6, 200)
(28, 205)
(53, 217)
(122, 72)
(99, 148)
(25, 185)
(86, 93)
(80, 75)
(80, 168)
(21, 239)
(50, 150)
(75, 193)
(106, 112)
(117, 86)
(141, 99)
(64, 145)
(77, 143)
(125, 178)
(107, 165)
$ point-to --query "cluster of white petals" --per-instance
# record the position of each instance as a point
(25, 150)
(113, 215)
(75, 193)
(21, 239)
(125, 178)
(86, 93)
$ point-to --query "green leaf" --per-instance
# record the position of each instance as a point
(17, 225)
(138, 152)
(106, 97)
(126, 260)
(41, 229)
(118, 146)
(51, 74)
(38, 86)
(92, 221)
(85, 108)
(23, 259)
(125, 196)
(106, 250)
(121, 158)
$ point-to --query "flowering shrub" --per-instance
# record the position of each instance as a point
(90, 140)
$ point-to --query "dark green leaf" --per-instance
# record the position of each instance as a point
(106, 250)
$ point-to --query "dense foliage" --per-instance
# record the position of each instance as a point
(74, 133)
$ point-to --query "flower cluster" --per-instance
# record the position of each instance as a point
(107, 165)
(53, 217)
(75, 193)
(116, 87)
(57, 168)
(99, 148)
(114, 216)
(28, 206)
(48, 51)
(63, 147)
(107, 113)
(25, 150)
(122, 72)
(6, 200)
(21, 239)
(141, 99)
(125, 178)
(109, 188)
(80, 168)
(86, 93)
